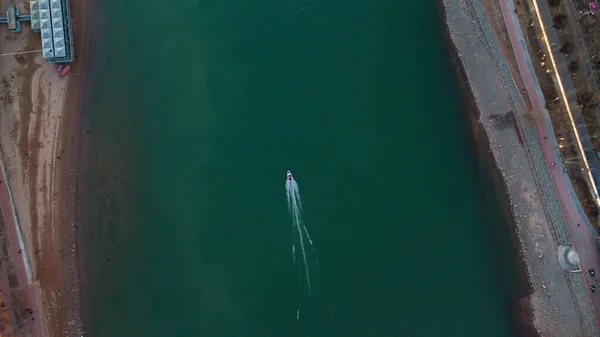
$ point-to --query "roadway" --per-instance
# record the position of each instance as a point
(581, 231)
(31, 291)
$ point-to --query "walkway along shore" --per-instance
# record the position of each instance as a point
(559, 303)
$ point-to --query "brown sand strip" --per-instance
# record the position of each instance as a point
(66, 321)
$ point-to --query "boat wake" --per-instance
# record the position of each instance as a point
(304, 256)
(301, 236)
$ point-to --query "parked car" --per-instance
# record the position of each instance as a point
(65, 71)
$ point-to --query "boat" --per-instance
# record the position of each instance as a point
(289, 176)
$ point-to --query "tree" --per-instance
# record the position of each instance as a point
(595, 61)
(567, 48)
(573, 66)
(560, 21)
(554, 3)
(587, 100)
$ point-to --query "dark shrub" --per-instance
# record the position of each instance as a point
(553, 3)
(573, 66)
(560, 21)
(567, 48)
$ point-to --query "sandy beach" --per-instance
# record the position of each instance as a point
(39, 143)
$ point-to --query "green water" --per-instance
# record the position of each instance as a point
(195, 112)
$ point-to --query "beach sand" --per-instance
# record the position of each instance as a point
(39, 142)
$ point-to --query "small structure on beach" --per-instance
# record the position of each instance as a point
(14, 18)
(52, 19)
(568, 258)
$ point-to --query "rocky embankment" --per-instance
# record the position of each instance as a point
(557, 303)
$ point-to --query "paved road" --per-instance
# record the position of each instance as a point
(581, 231)
(32, 291)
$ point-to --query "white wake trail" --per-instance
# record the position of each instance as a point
(288, 190)
(302, 238)
(297, 195)
(295, 209)
(297, 218)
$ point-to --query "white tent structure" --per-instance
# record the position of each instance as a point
(52, 19)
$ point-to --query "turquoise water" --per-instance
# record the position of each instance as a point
(191, 123)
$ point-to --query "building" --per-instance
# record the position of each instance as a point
(52, 19)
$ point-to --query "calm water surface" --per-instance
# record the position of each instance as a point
(196, 111)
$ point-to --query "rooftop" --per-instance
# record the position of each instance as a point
(53, 20)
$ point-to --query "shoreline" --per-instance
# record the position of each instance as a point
(67, 172)
(522, 311)
(78, 106)
(71, 131)
(500, 143)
